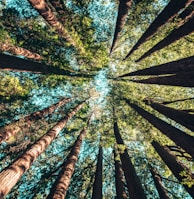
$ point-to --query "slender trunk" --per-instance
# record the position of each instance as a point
(124, 6)
(174, 67)
(179, 100)
(119, 181)
(163, 194)
(176, 167)
(97, 187)
(133, 182)
(175, 35)
(179, 137)
(168, 13)
(12, 63)
(23, 163)
(6, 47)
(14, 127)
(184, 79)
(60, 187)
(181, 117)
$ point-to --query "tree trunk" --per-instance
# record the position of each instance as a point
(6, 47)
(180, 138)
(176, 167)
(174, 67)
(175, 35)
(168, 13)
(181, 117)
(14, 127)
(23, 163)
(163, 194)
(184, 79)
(60, 187)
(133, 182)
(178, 100)
(97, 187)
(119, 181)
(124, 6)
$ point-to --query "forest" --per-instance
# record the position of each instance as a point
(96, 99)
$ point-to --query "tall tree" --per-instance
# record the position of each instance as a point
(180, 138)
(163, 194)
(175, 35)
(13, 128)
(97, 187)
(167, 14)
(60, 187)
(124, 6)
(176, 167)
(23, 163)
(174, 67)
(179, 116)
(119, 180)
(133, 182)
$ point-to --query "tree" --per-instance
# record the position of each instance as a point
(179, 137)
(23, 163)
(133, 182)
(97, 186)
(13, 128)
(167, 14)
(178, 169)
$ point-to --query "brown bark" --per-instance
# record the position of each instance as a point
(13, 128)
(175, 166)
(184, 79)
(60, 187)
(163, 194)
(133, 182)
(23, 163)
(97, 187)
(174, 67)
(124, 6)
(179, 116)
(179, 137)
(119, 180)
(15, 50)
(175, 35)
(167, 14)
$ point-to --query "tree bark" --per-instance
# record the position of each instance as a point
(174, 67)
(119, 180)
(179, 137)
(175, 35)
(163, 194)
(97, 187)
(175, 166)
(179, 116)
(133, 182)
(11, 175)
(167, 14)
(14, 127)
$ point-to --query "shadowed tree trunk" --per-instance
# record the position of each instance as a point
(97, 187)
(119, 180)
(174, 67)
(179, 137)
(23, 163)
(168, 13)
(175, 35)
(124, 6)
(176, 167)
(133, 182)
(14, 127)
(12, 63)
(6, 47)
(60, 187)
(163, 194)
(178, 100)
(184, 79)
(181, 117)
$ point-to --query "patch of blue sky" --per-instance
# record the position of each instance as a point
(69, 55)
